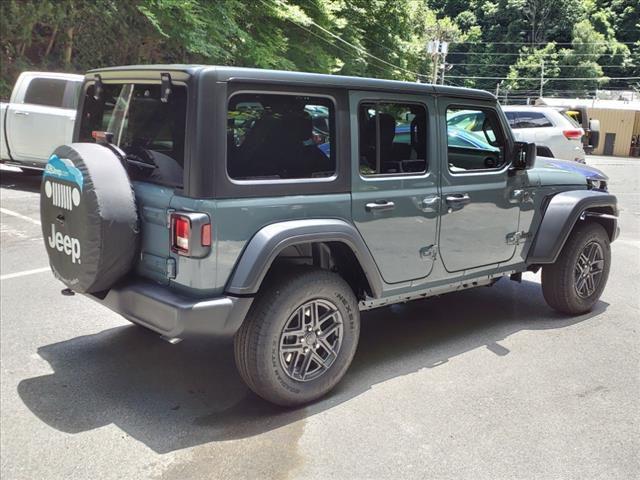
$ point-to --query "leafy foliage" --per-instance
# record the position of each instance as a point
(507, 39)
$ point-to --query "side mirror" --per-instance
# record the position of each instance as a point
(524, 155)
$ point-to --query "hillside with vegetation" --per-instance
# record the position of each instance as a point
(575, 46)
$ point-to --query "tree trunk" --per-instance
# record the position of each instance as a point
(68, 48)
(51, 41)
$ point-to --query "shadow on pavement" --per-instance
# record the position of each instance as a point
(26, 182)
(172, 397)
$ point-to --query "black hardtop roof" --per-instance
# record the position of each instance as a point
(223, 74)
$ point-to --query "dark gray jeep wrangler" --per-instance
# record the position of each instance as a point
(276, 206)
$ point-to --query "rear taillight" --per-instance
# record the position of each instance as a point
(190, 234)
(181, 234)
(574, 134)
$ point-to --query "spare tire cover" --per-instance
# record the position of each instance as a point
(89, 217)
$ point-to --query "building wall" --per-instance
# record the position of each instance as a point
(624, 123)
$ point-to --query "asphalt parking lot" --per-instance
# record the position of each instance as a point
(483, 384)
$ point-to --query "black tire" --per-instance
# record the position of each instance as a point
(258, 352)
(561, 280)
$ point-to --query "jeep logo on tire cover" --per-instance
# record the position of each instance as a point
(63, 184)
(62, 194)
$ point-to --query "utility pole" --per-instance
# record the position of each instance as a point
(444, 49)
(541, 77)
(432, 49)
(435, 48)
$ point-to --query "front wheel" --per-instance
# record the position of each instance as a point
(299, 337)
(574, 283)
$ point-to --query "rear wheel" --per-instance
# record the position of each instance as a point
(299, 337)
(575, 282)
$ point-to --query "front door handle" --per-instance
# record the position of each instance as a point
(458, 200)
(381, 206)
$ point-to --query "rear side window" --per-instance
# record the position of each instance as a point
(46, 91)
(393, 138)
(151, 132)
(529, 120)
(273, 137)
(475, 140)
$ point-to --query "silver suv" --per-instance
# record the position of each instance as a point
(555, 133)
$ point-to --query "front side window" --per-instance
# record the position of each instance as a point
(46, 91)
(393, 138)
(474, 140)
(151, 132)
(278, 136)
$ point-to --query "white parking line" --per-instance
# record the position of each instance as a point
(19, 215)
(24, 273)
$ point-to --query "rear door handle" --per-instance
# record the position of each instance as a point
(380, 206)
(22, 113)
(458, 200)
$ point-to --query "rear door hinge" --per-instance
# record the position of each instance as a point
(516, 238)
(170, 212)
(171, 268)
(429, 252)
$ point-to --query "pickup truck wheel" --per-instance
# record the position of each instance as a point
(575, 282)
(299, 337)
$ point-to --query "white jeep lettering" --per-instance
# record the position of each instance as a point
(65, 244)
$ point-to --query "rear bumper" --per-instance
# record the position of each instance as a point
(175, 315)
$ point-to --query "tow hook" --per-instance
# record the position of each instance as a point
(67, 292)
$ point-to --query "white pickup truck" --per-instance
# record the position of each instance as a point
(39, 117)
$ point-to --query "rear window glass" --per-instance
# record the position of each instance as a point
(529, 120)
(46, 91)
(572, 117)
(151, 132)
(278, 136)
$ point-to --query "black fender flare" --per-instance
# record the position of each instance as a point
(270, 240)
(562, 212)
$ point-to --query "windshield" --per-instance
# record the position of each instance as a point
(151, 132)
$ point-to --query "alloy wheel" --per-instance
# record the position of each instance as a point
(588, 270)
(311, 339)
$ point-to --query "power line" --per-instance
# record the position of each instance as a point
(549, 79)
(335, 46)
(543, 43)
(536, 54)
(529, 66)
(360, 49)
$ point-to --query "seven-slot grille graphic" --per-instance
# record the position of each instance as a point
(62, 196)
